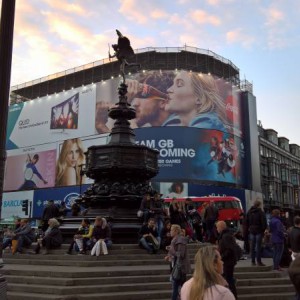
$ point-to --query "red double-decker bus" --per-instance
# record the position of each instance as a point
(230, 208)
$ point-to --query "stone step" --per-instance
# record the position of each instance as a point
(256, 274)
(262, 281)
(265, 289)
(127, 273)
(191, 246)
(268, 296)
(34, 296)
(65, 281)
(90, 272)
(111, 256)
(86, 281)
(90, 289)
(116, 249)
(118, 270)
(157, 295)
(97, 261)
(108, 260)
(11, 295)
(135, 295)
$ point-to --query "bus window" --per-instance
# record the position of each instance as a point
(235, 204)
(220, 204)
(228, 204)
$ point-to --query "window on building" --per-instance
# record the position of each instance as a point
(294, 177)
(271, 168)
(261, 150)
(283, 174)
(284, 195)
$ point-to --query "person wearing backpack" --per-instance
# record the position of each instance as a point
(256, 223)
(229, 254)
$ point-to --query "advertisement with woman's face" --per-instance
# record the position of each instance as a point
(174, 98)
(71, 160)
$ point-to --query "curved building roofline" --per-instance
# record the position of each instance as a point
(151, 58)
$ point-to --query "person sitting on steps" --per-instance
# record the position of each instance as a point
(52, 238)
(82, 237)
(101, 232)
(148, 237)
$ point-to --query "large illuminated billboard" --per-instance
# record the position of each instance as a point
(169, 98)
(195, 120)
(51, 118)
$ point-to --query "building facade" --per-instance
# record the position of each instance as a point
(206, 135)
(280, 172)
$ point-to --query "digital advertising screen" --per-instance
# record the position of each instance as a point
(52, 118)
(174, 98)
(65, 114)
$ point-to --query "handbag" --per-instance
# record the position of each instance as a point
(14, 246)
(176, 273)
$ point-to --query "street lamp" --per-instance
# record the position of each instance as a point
(6, 44)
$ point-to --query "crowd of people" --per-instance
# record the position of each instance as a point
(197, 226)
(169, 228)
(50, 237)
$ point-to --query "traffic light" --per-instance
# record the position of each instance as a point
(25, 206)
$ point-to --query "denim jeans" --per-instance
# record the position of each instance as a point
(160, 226)
(23, 240)
(277, 254)
(6, 242)
(176, 285)
(255, 247)
(145, 244)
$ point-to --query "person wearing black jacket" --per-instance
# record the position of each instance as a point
(294, 238)
(157, 207)
(256, 223)
(148, 237)
(211, 215)
(294, 273)
(101, 231)
(226, 243)
(49, 212)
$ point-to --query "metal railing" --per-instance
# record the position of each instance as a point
(137, 51)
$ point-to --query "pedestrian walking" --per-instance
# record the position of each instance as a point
(277, 238)
(256, 223)
(227, 248)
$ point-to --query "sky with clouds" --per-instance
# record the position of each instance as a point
(261, 37)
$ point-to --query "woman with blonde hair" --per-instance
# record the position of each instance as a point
(69, 163)
(197, 101)
(207, 282)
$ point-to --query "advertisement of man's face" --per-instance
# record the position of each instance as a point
(169, 98)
